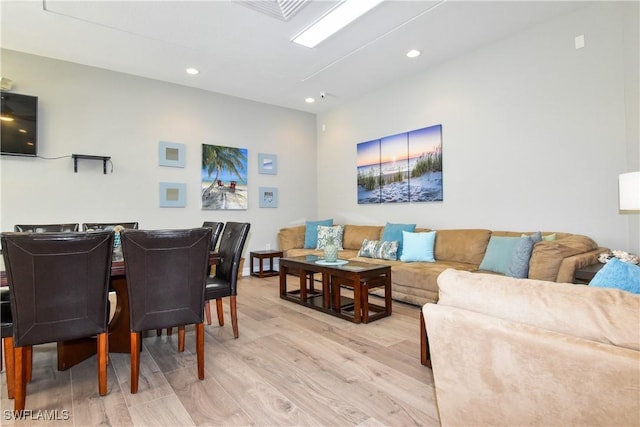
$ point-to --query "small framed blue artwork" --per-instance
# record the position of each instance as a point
(268, 197)
(172, 195)
(171, 154)
(267, 164)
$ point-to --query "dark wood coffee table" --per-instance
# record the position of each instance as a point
(361, 277)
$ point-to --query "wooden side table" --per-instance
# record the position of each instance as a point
(262, 255)
(583, 275)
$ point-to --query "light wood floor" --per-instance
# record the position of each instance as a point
(291, 366)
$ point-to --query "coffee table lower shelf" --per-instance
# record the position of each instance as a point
(359, 277)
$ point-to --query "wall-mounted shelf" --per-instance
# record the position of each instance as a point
(86, 157)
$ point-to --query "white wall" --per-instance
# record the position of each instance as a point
(87, 110)
(534, 133)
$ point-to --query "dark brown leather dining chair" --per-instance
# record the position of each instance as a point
(108, 225)
(216, 230)
(225, 281)
(166, 273)
(46, 228)
(58, 285)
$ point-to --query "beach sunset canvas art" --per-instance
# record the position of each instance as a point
(406, 167)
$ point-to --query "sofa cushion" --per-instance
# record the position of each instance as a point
(330, 235)
(354, 235)
(497, 257)
(464, 246)
(418, 246)
(394, 232)
(608, 316)
(618, 275)
(379, 249)
(311, 232)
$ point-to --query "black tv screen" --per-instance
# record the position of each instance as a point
(19, 124)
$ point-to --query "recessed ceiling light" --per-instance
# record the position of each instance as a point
(310, 100)
(192, 71)
(339, 17)
(413, 53)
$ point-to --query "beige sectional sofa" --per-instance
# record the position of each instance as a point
(461, 249)
(524, 352)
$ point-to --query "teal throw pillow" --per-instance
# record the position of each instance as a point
(618, 274)
(499, 252)
(418, 246)
(379, 249)
(394, 232)
(328, 235)
(311, 232)
(519, 265)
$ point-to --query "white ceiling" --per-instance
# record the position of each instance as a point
(242, 52)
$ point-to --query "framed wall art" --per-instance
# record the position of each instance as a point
(172, 195)
(406, 167)
(171, 154)
(224, 177)
(267, 164)
(268, 197)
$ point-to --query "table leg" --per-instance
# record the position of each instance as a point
(303, 285)
(357, 300)
(119, 333)
(326, 293)
(260, 264)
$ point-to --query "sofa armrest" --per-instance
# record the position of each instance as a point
(569, 265)
(291, 238)
(547, 256)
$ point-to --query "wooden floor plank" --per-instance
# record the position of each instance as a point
(290, 366)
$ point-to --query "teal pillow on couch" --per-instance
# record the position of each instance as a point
(311, 232)
(619, 275)
(394, 232)
(497, 257)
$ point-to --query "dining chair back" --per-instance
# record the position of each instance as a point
(225, 281)
(166, 272)
(108, 225)
(45, 228)
(58, 286)
(216, 228)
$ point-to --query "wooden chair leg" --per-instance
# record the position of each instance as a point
(207, 311)
(1, 366)
(135, 361)
(158, 332)
(102, 363)
(10, 363)
(28, 364)
(234, 315)
(169, 331)
(20, 383)
(220, 312)
(200, 349)
(180, 339)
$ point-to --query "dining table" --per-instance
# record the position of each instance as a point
(72, 352)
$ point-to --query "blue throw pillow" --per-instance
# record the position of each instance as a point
(618, 274)
(394, 232)
(418, 246)
(499, 252)
(519, 265)
(311, 232)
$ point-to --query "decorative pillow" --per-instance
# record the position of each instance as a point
(537, 237)
(549, 237)
(394, 232)
(499, 252)
(519, 266)
(618, 274)
(311, 232)
(379, 249)
(328, 235)
(418, 246)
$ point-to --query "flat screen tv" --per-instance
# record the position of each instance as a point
(18, 124)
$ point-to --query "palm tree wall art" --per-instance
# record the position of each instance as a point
(224, 177)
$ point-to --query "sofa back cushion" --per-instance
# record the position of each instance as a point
(354, 235)
(547, 256)
(608, 316)
(466, 246)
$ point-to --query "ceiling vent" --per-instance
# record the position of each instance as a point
(280, 9)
